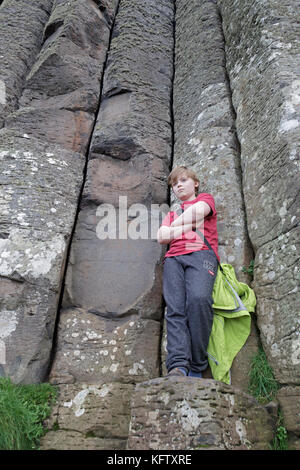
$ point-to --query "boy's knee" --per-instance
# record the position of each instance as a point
(200, 298)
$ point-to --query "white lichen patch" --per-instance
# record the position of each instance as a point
(78, 401)
(269, 332)
(295, 355)
(165, 397)
(152, 419)
(283, 210)
(237, 242)
(187, 416)
(242, 433)
(137, 368)
(114, 367)
(92, 335)
(34, 258)
(8, 323)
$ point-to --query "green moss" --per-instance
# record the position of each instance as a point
(250, 269)
(281, 437)
(55, 426)
(23, 408)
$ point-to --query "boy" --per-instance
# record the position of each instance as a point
(190, 269)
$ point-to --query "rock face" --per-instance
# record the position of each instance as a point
(205, 138)
(109, 329)
(42, 180)
(179, 413)
(21, 31)
(42, 149)
(262, 50)
(91, 417)
(99, 100)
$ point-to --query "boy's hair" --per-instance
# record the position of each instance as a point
(182, 170)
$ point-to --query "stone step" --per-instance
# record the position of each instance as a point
(178, 413)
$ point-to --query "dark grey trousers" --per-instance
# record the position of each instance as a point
(188, 282)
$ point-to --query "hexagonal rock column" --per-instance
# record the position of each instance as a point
(90, 417)
(21, 32)
(263, 56)
(187, 413)
(42, 158)
(205, 138)
(109, 329)
(114, 278)
(61, 94)
(38, 205)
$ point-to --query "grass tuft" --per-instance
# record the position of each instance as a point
(280, 441)
(262, 383)
(23, 408)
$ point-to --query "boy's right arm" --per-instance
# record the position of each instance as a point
(166, 234)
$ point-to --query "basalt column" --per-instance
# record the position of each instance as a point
(21, 32)
(109, 329)
(42, 156)
(263, 57)
(205, 139)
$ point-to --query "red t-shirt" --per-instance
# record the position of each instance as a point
(191, 241)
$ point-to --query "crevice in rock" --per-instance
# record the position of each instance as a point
(115, 91)
(103, 8)
(170, 168)
(234, 130)
(61, 294)
(51, 29)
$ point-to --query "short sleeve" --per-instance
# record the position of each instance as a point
(209, 199)
(167, 220)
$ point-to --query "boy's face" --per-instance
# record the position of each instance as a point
(184, 188)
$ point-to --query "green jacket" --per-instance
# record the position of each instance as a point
(232, 303)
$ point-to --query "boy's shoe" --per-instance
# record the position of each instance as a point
(195, 374)
(177, 372)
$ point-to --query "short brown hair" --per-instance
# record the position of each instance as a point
(179, 171)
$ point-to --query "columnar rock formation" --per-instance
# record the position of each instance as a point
(43, 145)
(205, 138)
(263, 57)
(98, 101)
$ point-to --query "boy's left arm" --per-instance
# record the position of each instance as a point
(194, 214)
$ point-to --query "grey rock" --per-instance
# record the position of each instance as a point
(38, 206)
(192, 414)
(263, 53)
(109, 328)
(263, 64)
(205, 138)
(61, 93)
(92, 348)
(89, 416)
(21, 31)
(119, 276)
(288, 398)
(113, 276)
(42, 159)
